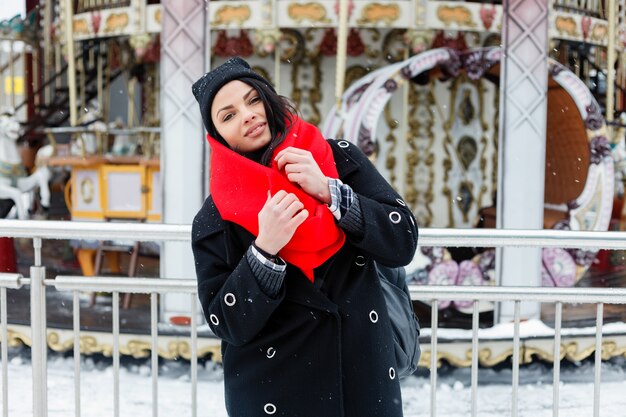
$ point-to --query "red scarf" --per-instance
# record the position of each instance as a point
(239, 188)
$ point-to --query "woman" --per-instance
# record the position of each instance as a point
(285, 250)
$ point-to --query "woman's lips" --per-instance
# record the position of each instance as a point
(256, 130)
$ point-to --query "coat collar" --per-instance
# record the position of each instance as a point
(207, 222)
(346, 164)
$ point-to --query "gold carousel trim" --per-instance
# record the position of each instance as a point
(485, 358)
(456, 353)
(116, 22)
(138, 346)
(566, 25)
(599, 32)
(81, 26)
(375, 13)
(314, 12)
(459, 15)
(570, 351)
(157, 15)
(226, 15)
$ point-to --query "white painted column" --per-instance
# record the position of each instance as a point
(611, 57)
(71, 59)
(183, 152)
(521, 158)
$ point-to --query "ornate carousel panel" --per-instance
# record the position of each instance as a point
(450, 162)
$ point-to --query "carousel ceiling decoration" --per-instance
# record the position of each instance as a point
(19, 28)
(117, 21)
(403, 14)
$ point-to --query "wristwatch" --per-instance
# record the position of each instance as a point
(268, 256)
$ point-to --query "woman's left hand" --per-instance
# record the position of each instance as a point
(303, 170)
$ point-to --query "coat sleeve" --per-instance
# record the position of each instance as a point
(390, 231)
(234, 305)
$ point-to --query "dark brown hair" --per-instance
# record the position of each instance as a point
(279, 113)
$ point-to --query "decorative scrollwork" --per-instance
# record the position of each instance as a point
(390, 161)
(294, 51)
(394, 48)
(354, 73)
(371, 51)
(87, 190)
(419, 159)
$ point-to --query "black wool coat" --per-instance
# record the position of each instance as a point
(321, 349)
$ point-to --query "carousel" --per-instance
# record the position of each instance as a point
(416, 84)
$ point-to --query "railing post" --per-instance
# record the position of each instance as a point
(434, 325)
(39, 344)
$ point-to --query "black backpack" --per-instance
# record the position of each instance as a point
(404, 323)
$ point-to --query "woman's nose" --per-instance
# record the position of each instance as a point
(250, 116)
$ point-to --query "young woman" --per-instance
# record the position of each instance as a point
(285, 250)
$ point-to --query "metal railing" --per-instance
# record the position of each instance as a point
(38, 230)
(558, 296)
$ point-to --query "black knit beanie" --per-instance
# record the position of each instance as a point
(209, 84)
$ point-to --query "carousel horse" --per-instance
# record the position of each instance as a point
(15, 183)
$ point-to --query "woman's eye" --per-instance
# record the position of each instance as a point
(255, 99)
(227, 117)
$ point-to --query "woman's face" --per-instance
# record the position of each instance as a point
(239, 117)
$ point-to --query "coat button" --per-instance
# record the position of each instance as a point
(395, 217)
(269, 408)
(373, 316)
(359, 260)
(392, 373)
(343, 144)
(230, 299)
(214, 319)
(399, 201)
(270, 352)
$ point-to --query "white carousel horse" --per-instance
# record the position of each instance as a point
(15, 183)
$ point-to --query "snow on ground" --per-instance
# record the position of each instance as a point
(174, 390)
(527, 329)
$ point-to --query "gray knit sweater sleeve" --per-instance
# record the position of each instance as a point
(269, 275)
(352, 221)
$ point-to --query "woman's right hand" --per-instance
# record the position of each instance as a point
(278, 221)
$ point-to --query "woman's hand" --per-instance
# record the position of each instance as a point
(303, 170)
(278, 221)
